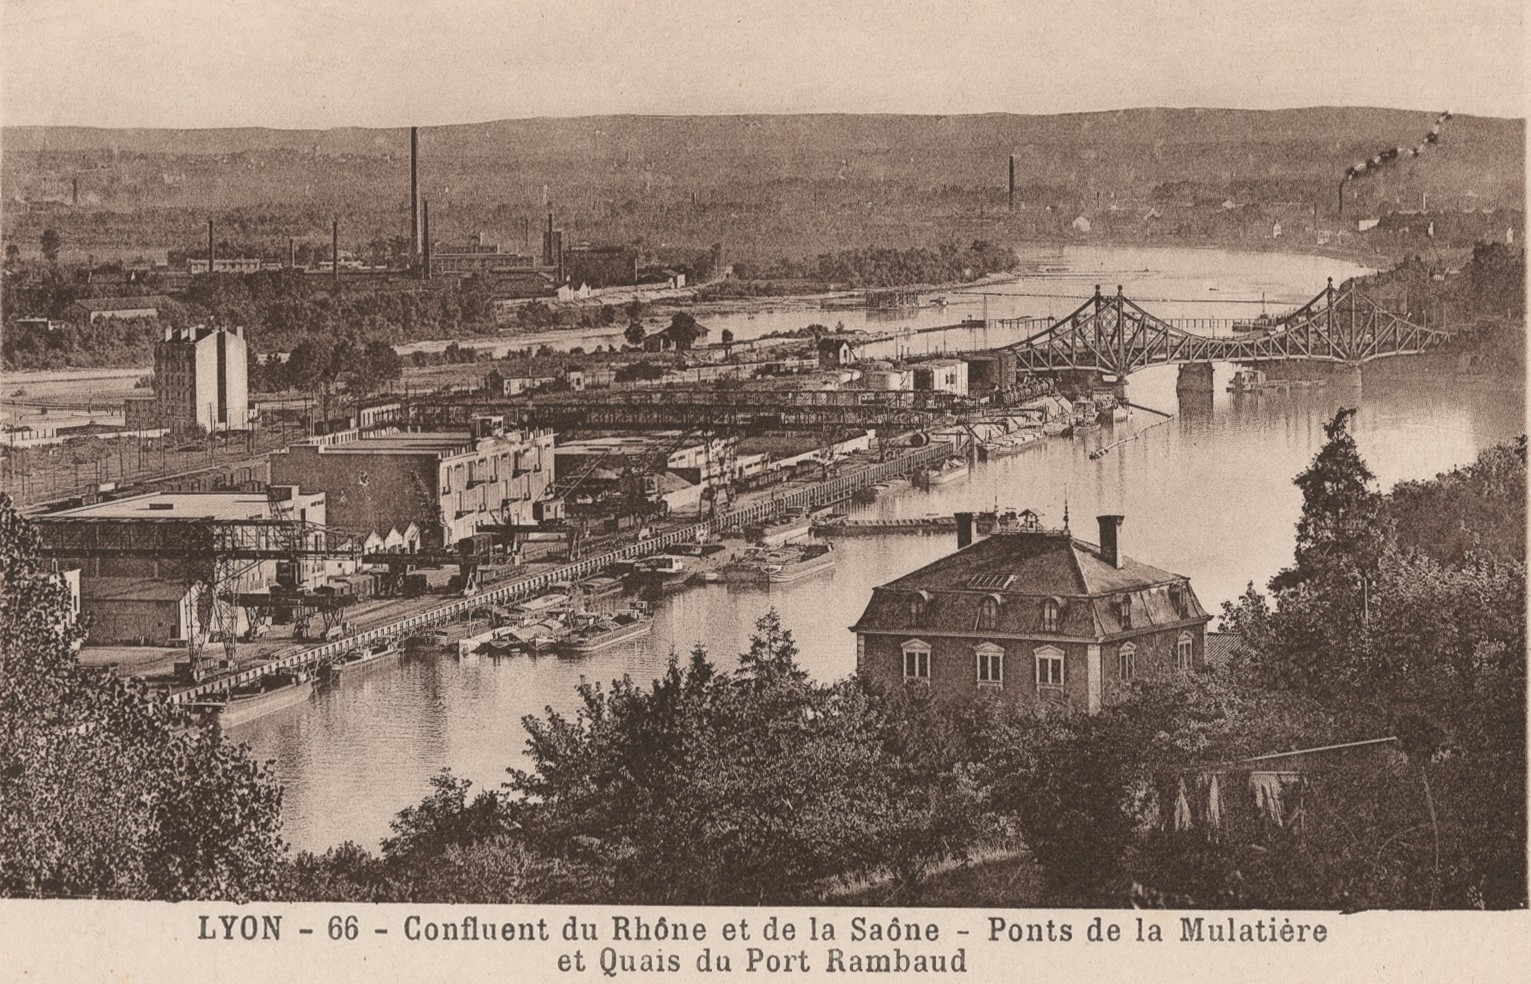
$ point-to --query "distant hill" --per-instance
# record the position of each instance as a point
(761, 184)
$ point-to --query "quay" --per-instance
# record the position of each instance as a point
(832, 490)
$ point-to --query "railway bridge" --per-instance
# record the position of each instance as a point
(1114, 335)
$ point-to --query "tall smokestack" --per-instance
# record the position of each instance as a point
(414, 191)
(1110, 540)
(1012, 182)
(210, 250)
(335, 250)
(292, 253)
(75, 194)
(425, 237)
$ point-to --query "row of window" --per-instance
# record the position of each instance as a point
(989, 661)
(1052, 609)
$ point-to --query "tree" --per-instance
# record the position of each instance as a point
(51, 244)
(105, 792)
(1423, 637)
(634, 334)
(376, 365)
(684, 330)
(711, 787)
(1341, 511)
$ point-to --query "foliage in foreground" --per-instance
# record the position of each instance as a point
(103, 792)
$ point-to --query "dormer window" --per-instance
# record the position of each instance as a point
(1124, 611)
(919, 607)
(1177, 599)
(988, 613)
(1052, 614)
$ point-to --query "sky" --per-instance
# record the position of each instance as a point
(324, 63)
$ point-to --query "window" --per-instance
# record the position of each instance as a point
(991, 665)
(1185, 649)
(1127, 661)
(916, 660)
(1051, 611)
(1124, 611)
(1177, 599)
(919, 607)
(988, 613)
(1049, 668)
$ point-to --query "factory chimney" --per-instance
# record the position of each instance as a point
(335, 250)
(1012, 182)
(414, 191)
(547, 243)
(425, 236)
(75, 194)
(292, 253)
(210, 250)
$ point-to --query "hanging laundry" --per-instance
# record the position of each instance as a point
(1182, 809)
(1267, 789)
(1214, 804)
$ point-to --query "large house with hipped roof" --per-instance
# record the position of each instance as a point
(1032, 615)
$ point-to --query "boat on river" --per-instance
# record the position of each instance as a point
(591, 633)
(792, 564)
(790, 527)
(1248, 381)
(948, 471)
(1012, 444)
(359, 662)
(273, 692)
(597, 588)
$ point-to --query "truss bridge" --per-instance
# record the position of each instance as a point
(1115, 335)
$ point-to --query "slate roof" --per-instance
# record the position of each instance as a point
(1022, 572)
(1223, 650)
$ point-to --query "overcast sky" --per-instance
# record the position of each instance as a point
(322, 63)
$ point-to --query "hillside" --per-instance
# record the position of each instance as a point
(763, 185)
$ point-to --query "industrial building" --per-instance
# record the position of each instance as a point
(942, 376)
(202, 379)
(88, 310)
(447, 483)
(666, 466)
(1033, 616)
(600, 266)
(161, 569)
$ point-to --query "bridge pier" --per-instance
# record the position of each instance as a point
(1195, 377)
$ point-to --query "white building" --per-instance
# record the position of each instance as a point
(202, 379)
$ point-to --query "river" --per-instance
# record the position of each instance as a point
(1208, 494)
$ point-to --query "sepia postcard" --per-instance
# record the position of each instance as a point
(697, 490)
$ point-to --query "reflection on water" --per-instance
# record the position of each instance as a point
(1209, 495)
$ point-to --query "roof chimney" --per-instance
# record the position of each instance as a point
(1110, 543)
(964, 529)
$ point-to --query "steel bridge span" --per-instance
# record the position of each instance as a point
(1115, 335)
